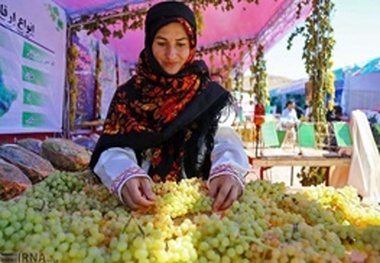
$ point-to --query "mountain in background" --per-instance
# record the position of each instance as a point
(277, 81)
(273, 82)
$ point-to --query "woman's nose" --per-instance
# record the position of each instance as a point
(171, 52)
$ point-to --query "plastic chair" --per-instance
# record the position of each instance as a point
(342, 134)
(269, 134)
(306, 135)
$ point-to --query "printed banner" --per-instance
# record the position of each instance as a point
(85, 72)
(32, 66)
(107, 78)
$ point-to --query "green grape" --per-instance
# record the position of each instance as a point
(8, 231)
(121, 246)
(5, 213)
(115, 256)
(3, 223)
(8, 245)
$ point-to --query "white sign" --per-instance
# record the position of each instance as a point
(32, 66)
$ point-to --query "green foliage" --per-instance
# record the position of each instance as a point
(259, 75)
(72, 56)
(317, 54)
(133, 19)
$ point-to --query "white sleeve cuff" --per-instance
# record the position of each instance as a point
(116, 166)
(113, 162)
(228, 156)
(118, 183)
(226, 170)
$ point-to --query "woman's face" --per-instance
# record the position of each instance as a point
(171, 47)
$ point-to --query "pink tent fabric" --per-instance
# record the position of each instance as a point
(75, 7)
(265, 23)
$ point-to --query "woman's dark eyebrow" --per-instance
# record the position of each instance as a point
(163, 38)
(181, 39)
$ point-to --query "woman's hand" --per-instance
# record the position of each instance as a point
(225, 189)
(137, 193)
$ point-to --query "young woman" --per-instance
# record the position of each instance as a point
(165, 122)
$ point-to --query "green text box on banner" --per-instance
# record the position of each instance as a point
(33, 119)
(35, 76)
(36, 54)
(33, 98)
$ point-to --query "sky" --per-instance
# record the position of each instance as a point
(356, 26)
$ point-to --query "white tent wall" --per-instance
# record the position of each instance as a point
(357, 87)
(362, 92)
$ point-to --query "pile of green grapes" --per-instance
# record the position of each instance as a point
(69, 217)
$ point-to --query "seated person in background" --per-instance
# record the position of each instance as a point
(335, 114)
(309, 113)
(289, 116)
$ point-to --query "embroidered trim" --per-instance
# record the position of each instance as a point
(226, 169)
(129, 173)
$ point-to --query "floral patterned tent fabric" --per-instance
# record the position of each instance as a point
(264, 23)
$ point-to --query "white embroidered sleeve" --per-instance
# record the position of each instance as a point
(116, 166)
(228, 156)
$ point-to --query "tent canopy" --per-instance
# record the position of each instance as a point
(264, 23)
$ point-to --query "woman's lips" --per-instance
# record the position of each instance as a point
(170, 64)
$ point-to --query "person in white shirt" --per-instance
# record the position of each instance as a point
(289, 116)
(164, 123)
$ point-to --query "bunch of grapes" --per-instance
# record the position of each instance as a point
(346, 203)
(70, 217)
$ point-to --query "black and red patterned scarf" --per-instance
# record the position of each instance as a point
(167, 119)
